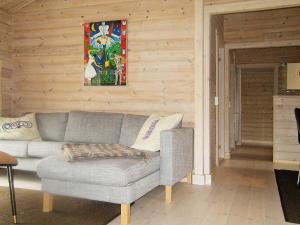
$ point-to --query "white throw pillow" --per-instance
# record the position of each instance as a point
(149, 136)
(21, 128)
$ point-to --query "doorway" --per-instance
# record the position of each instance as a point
(255, 86)
(256, 105)
(264, 120)
(257, 75)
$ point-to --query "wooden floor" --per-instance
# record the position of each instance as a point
(244, 192)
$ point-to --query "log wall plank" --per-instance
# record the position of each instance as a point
(269, 25)
(217, 2)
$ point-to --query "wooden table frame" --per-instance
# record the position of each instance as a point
(9, 161)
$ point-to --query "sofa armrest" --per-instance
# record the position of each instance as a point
(176, 155)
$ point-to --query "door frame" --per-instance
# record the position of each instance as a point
(1, 101)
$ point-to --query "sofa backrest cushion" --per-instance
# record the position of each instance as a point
(149, 136)
(130, 128)
(52, 126)
(93, 127)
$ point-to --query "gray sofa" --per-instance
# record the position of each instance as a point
(120, 181)
(52, 127)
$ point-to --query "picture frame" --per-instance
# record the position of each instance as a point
(105, 53)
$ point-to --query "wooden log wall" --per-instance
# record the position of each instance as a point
(5, 58)
(216, 2)
(286, 146)
(270, 55)
(48, 56)
(267, 55)
(257, 85)
(217, 23)
(270, 25)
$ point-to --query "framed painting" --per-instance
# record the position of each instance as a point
(105, 53)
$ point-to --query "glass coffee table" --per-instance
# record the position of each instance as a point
(9, 161)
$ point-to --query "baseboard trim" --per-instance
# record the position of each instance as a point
(227, 155)
(202, 179)
(286, 162)
(257, 143)
(208, 179)
(184, 180)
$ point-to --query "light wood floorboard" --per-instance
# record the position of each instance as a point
(244, 192)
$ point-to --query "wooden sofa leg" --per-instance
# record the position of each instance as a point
(168, 194)
(189, 178)
(47, 203)
(125, 214)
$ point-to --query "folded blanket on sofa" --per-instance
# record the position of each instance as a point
(75, 152)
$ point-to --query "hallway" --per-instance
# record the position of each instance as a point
(253, 152)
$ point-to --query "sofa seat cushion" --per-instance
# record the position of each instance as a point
(93, 127)
(43, 149)
(14, 148)
(108, 172)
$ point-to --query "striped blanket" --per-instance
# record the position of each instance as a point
(75, 152)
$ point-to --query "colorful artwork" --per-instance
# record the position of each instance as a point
(105, 51)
